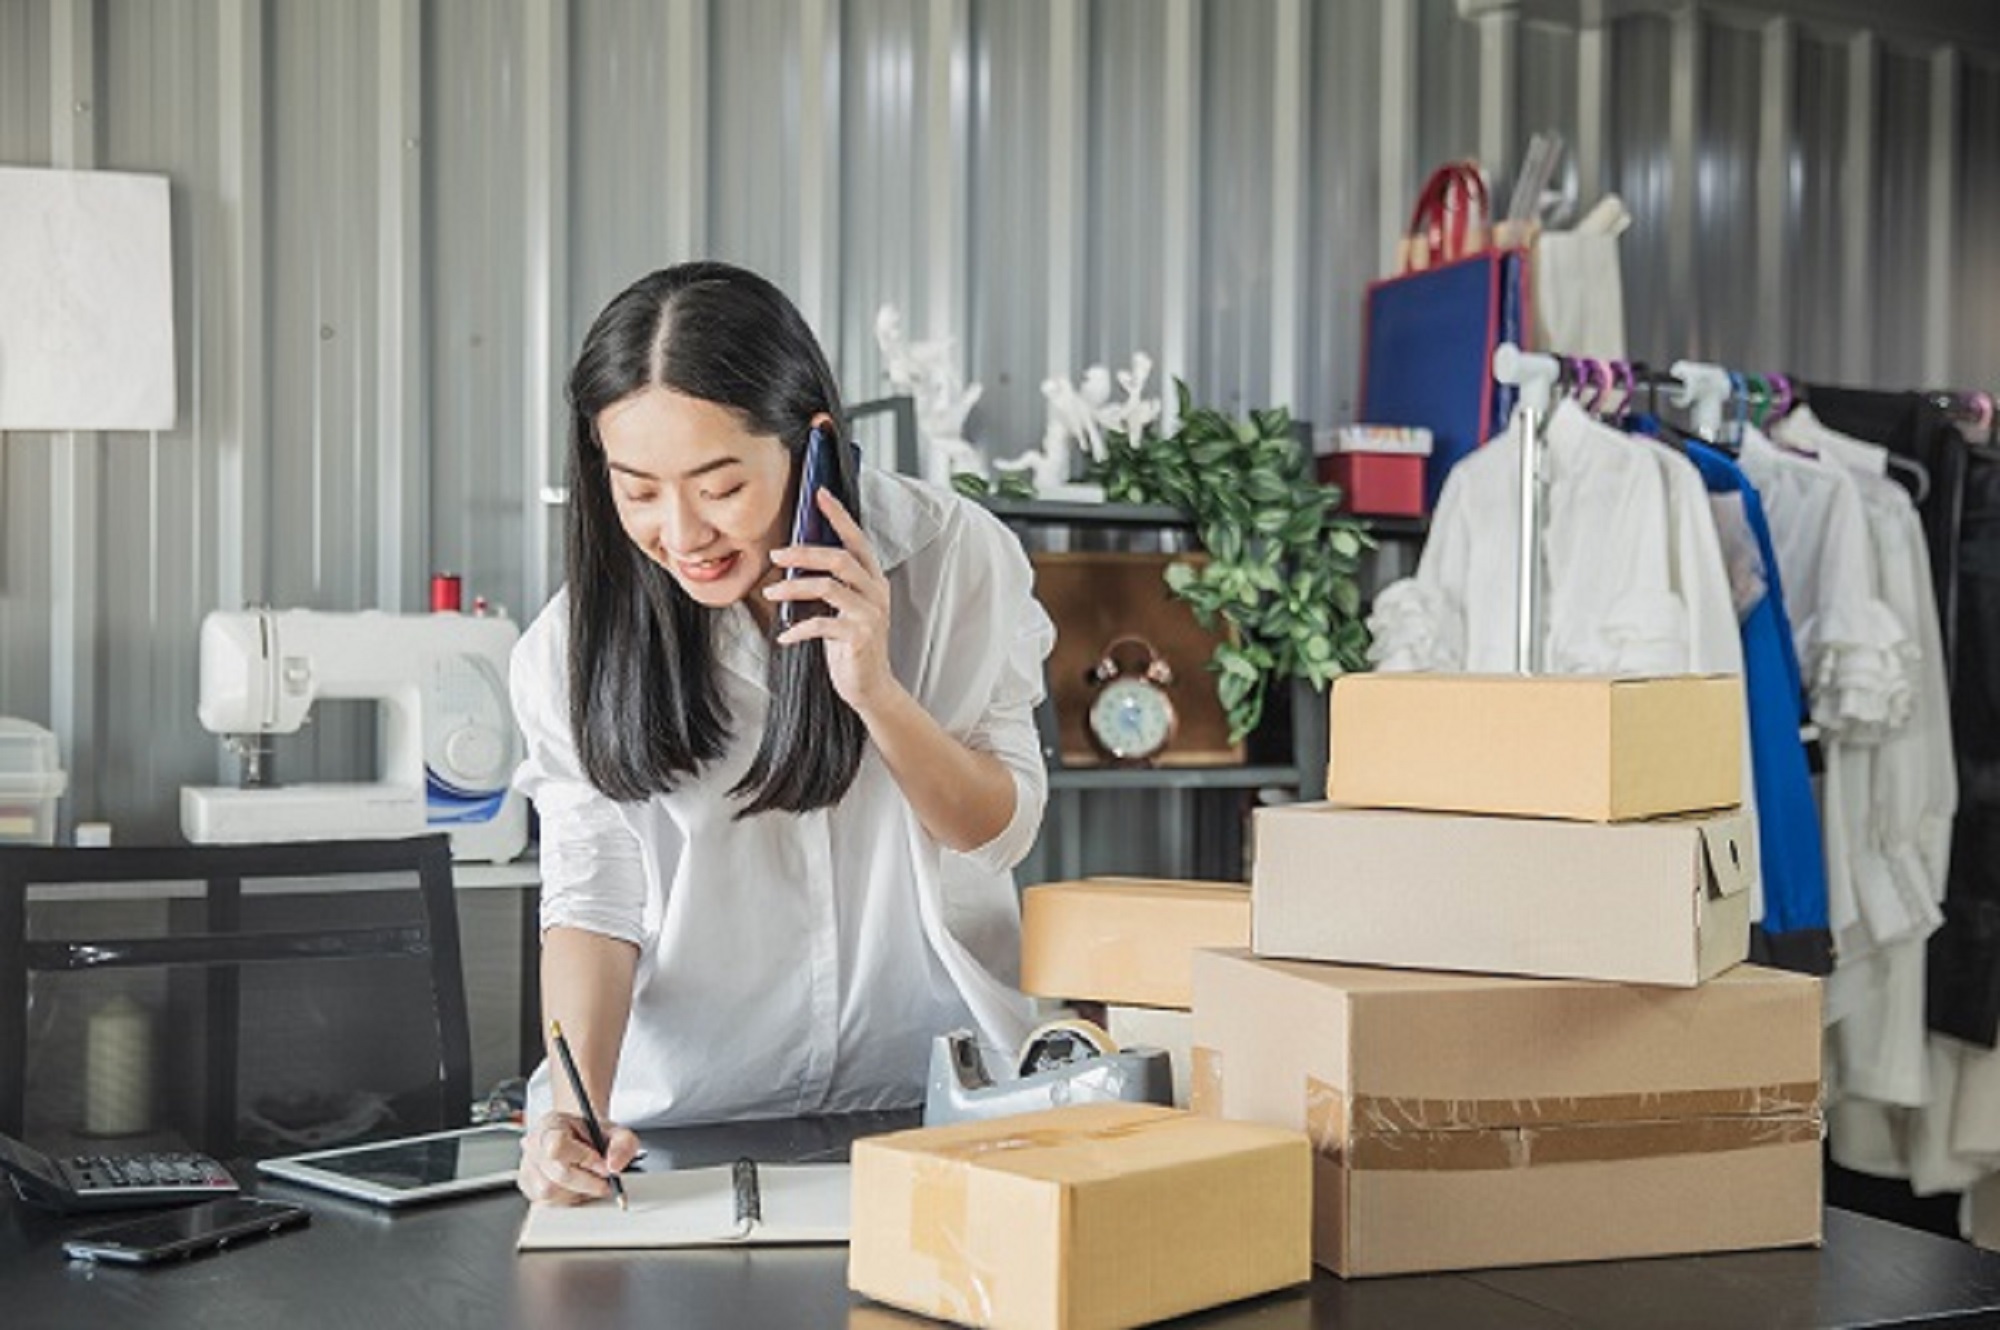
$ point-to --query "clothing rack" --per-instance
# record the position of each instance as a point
(1705, 391)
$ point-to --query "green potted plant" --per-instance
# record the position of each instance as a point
(1282, 566)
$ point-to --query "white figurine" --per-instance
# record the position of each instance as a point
(1131, 416)
(928, 372)
(1072, 421)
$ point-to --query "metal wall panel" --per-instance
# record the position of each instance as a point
(1008, 321)
(1342, 241)
(1447, 85)
(1975, 357)
(1548, 87)
(755, 132)
(150, 575)
(1051, 184)
(621, 195)
(1124, 251)
(1639, 169)
(24, 458)
(1894, 319)
(892, 186)
(475, 200)
(1814, 208)
(1232, 364)
(1723, 299)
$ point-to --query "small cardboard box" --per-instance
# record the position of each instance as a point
(1663, 902)
(1462, 1122)
(1125, 939)
(1084, 1218)
(1587, 747)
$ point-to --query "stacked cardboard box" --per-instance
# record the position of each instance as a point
(1122, 949)
(1565, 1061)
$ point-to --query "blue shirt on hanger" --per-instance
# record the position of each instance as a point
(1792, 859)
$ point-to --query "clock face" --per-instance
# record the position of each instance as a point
(1132, 718)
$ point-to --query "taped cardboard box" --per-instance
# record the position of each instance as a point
(1125, 939)
(1463, 1122)
(1091, 1217)
(1590, 748)
(1663, 902)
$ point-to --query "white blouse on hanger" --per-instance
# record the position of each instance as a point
(1609, 604)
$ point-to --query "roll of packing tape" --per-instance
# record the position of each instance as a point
(118, 1069)
(1059, 1043)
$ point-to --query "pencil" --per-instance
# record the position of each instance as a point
(583, 1103)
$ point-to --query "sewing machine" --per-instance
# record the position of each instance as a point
(447, 745)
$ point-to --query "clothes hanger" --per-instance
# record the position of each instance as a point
(1760, 398)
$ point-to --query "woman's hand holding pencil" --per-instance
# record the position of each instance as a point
(568, 1158)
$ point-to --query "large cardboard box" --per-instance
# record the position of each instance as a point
(1084, 1218)
(1125, 939)
(1591, 748)
(1664, 902)
(1461, 1121)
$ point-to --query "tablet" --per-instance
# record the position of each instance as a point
(412, 1168)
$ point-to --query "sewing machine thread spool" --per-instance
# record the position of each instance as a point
(446, 593)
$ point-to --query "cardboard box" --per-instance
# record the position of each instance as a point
(1664, 902)
(1586, 747)
(1125, 939)
(1083, 1218)
(1462, 1122)
(1149, 1027)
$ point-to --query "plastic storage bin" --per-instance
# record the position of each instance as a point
(31, 780)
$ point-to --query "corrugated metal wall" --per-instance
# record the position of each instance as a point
(394, 219)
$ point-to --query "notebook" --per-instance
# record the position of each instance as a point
(744, 1202)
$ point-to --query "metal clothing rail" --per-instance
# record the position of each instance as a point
(1701, 389)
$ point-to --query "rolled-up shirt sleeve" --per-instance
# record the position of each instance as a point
(593, 874)
(1007, 731)
(1000, 620)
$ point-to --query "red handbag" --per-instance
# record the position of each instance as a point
(1452, 219)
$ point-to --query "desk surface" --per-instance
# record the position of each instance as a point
(454, 1264)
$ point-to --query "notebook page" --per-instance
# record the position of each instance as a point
(697, 1208)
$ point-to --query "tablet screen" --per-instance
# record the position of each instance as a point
(418, 1166)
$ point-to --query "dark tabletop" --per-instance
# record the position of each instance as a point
(453, 1263)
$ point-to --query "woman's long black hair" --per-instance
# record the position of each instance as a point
(645, 702)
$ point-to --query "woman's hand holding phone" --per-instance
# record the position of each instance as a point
(849, 581)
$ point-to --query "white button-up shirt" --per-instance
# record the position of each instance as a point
(797, 964)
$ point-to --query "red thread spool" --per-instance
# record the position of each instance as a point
(444, 593)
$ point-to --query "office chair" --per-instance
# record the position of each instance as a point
(229, 935)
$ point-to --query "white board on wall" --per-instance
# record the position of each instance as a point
(86, 301)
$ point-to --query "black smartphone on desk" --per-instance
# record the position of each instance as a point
(185, 1232)
(820, 470)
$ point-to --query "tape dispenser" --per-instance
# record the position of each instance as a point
(1063, 1062)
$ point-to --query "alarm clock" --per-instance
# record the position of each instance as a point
(1131, 719)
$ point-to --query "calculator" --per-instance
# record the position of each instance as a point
(113, 1181)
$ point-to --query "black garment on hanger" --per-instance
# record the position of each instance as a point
(1913, 426)
(1961, 517)
(1965, 953)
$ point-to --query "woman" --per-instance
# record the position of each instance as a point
(776, 861)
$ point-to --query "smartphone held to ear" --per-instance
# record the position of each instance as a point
(819, 470)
